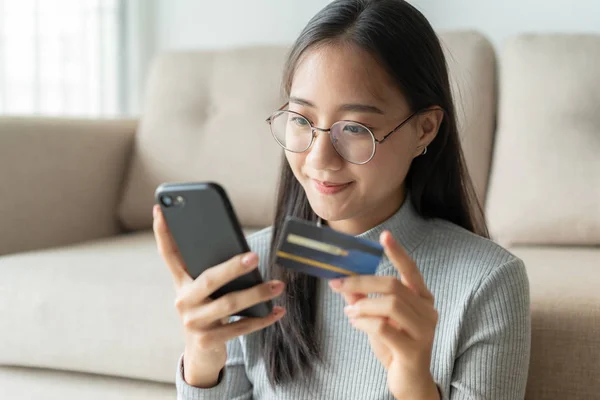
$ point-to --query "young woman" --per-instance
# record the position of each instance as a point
(372, 150)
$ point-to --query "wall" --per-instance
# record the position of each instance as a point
(202, 24)
(501, 19)
(189, 24)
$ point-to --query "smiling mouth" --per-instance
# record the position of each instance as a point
(330, 188)
(331, 184)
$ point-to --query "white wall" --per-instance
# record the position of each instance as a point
(197, 24)
(501, 19)
(202, 24)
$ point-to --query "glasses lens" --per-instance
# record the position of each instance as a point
(353, 141)
(291, 130)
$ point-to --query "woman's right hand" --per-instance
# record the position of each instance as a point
(205, 321)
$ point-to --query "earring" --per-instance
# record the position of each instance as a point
(424, 151)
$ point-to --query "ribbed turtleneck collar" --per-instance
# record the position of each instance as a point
(406, 225)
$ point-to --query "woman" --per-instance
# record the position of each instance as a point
(372, 150)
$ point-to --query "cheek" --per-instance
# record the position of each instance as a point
(398, 151)
(388, 169)
(295, 161)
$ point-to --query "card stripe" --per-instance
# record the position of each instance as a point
(316, 245)
(314, 263)
(327, 235)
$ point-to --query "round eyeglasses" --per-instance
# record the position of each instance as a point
(353, 141)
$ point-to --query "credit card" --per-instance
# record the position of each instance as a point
(324, 252)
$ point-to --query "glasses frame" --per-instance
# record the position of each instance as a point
(314, 129)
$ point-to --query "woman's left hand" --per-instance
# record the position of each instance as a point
(400, 324)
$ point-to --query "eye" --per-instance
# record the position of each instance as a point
(356, 130)
(299, 121)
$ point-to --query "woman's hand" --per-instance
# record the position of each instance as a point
(400, 324)
(205, 321)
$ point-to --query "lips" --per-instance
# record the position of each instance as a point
(330, 184)
(328, 187)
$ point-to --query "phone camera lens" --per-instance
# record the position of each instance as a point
(179, 201)
(167, 201)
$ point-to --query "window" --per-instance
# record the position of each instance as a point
(61, 57)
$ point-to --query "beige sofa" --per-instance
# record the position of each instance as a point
(86, 306)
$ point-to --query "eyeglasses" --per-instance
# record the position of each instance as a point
(353, 141)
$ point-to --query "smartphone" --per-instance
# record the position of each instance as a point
(206, 231)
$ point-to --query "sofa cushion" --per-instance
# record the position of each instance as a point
(565, 303)
(545, 182)
(103, 307)
(472, 67)
(204, 119)
(36, 384)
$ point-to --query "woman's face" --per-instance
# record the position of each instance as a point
(333, 83)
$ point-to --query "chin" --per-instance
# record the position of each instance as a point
(330, 211)
(332, 207)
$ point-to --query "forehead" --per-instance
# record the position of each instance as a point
(336, 73)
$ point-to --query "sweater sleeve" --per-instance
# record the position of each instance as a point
(234, 383)
(493, 353)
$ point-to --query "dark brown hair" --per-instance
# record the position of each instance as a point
(405, 44)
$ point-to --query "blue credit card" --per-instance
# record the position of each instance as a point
(324, 252)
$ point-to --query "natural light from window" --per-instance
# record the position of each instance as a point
(60, 57)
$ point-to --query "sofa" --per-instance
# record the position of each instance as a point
(87, 306)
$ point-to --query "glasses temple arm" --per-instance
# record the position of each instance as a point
(268, 120)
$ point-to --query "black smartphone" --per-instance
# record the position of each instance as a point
(207, 232)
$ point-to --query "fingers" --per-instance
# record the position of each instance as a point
(400, 313)
(379, 328)
(365, 284)
(241, 327)
(168, 249)
(215, 277)
(352, 298)
(229, 304)
(409, 273)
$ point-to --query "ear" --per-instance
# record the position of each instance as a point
(428, 125)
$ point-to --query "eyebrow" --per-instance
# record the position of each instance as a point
(353, 107)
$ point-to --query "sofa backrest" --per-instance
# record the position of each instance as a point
(545, 182)
(204, 119)
(472, 68)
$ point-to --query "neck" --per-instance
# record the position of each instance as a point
(371, 217)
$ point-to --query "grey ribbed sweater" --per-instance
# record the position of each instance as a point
(482, 340)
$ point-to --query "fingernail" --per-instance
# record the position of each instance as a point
(277, 310)
(154, 211)
(350, 310)
(276, 286)
(352, 321)
(382, 237)
(336, 283)
(249, 260)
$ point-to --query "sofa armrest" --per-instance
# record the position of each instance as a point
(60, 180)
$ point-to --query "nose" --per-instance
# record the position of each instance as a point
(321, 154)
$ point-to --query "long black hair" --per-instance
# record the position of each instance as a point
(405, 44)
